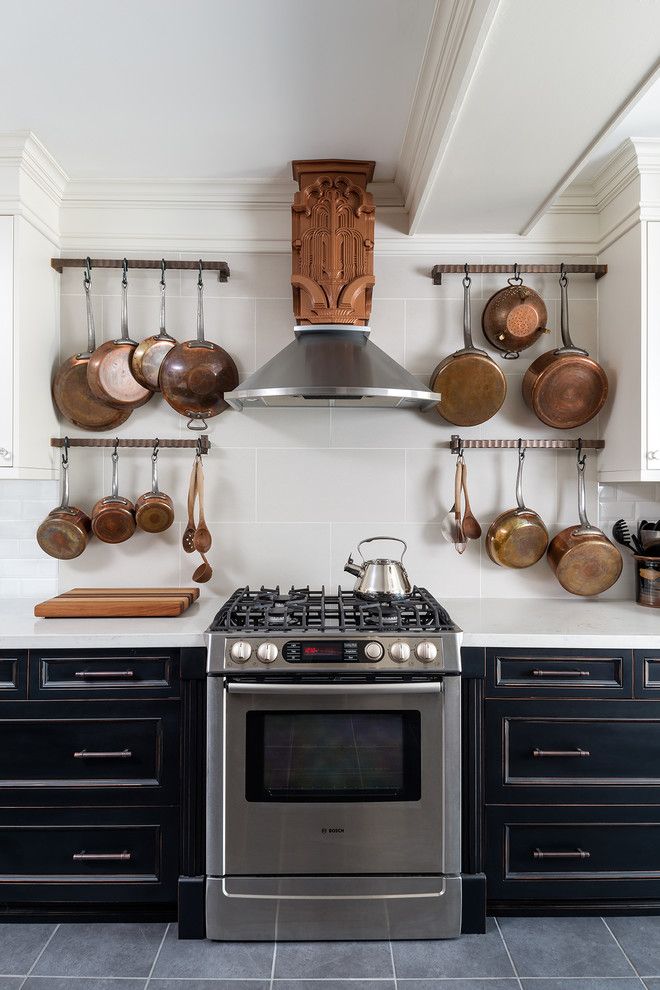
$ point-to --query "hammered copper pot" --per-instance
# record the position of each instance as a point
(154, 511)
(514, 318)
(65, 531)
(518, 537)
(113, 517)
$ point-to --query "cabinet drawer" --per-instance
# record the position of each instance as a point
(575, 753)
(559, 673)
(100, 855)
(113, 754)
(13, 674)
(104, 674)
(573, 854)
(647, 674)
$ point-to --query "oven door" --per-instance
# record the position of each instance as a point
(334, 778)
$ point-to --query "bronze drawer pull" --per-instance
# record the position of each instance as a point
(104, 675)
(85, 857)
(567, 854)
(88, 754)
(561, 752)
(561, 673)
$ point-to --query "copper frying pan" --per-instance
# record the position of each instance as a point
(565, 388)
(71, 392)
(148, 355)
(585, 562)
(113, 517)
(514, 318)
(109, 369)
(65, 531)
(517, 537)
(472, 386)
(195, 375)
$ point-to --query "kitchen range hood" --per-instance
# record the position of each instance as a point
(331, 361)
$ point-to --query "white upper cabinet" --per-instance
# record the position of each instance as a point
(6, 340)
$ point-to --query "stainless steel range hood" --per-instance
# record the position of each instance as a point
(331, 361)
(332, 365)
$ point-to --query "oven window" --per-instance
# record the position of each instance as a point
(333, 756)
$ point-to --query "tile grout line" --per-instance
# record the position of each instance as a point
(506, 949)
(627, 958)
(393, 965)
(153, 965)
(29, 972)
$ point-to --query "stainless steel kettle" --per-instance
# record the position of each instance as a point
(380, 579)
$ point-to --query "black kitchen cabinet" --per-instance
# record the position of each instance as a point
(102, 757)
(571, 781)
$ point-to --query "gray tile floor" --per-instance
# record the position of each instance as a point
(514, 954)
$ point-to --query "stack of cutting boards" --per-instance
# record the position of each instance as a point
(117, 603)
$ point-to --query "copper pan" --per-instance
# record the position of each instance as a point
(514, 318)
(195, 375)
(71, 392)
(113, 517)
(565, 388)
(472, 386)
(148, 355)
(109, 369)
(585, 562)
(65, 531)
(154, 511)
(517, 537)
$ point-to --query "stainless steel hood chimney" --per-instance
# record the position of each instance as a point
(331, 361)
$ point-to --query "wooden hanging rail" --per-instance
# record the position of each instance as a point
(439, 270)
(457, 443)
(221, 267)
(203, 442)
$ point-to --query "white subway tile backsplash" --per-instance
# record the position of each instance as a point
(25, 570)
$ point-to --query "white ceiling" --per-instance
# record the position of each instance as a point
(211, 88)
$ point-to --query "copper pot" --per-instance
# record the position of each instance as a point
(71, 392)
(517, 537)
(565, 388)
(514, 318)
(148, 355)
(113, 517)
(472, 386)
(65, 531)
(195, 375)
(585, 562)
(109, 371)
(154, 511)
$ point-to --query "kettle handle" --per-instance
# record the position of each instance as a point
(372, 539)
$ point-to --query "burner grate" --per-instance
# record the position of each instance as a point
(270, 610)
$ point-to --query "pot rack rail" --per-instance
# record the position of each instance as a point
(202, 443)
(521, 269)
(221, 267)
(458, 444)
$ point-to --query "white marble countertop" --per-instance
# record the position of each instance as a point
(523, 622)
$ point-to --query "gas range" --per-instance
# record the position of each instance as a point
(303, 631)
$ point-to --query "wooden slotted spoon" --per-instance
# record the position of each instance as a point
(471, 527)
(448, 525)
(189, 532)
(202, 539)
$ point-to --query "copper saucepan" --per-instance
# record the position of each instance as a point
(148, 355)
(113, 517)
(517, 537)
(109, 370)
(472, 386)
(154, 511)
(515, 317)
(71, 392)
(585, 562)
(565, 388)
(195, 375)
(65, 531)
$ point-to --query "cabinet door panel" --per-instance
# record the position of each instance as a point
(559, 673)
(104, 674)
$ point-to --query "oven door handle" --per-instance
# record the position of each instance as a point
(405, 687)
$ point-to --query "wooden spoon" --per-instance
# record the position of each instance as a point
(202, 539)
(471, 527)
(189, 532)
(448, 525)
(204, 572)
(459, 536)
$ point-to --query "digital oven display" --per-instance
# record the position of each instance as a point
(323, 651)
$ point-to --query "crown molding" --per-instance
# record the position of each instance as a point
(32, 183)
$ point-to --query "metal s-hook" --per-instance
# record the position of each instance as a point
(115, 450)
(563, 279)
(521, 449)
(467, 281)
(154, 453)
(200, 281)
(87, 277)
(200, 450)
(65, 452)
(124, 272)
(516, 278)
(581, 457)
(162, 272)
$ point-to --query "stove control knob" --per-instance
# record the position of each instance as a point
(426, 652)
(374, 651)
(267, 652)
(241, 652)
(400, 652)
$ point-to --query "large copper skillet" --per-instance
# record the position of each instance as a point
(71, 392)
(195, 375)
(109, 369)
(65, 531)
(585, 562)
(113, 517)
(472, 386)
(514, 318)
(148, 355)
(517, 537)
(565, 387)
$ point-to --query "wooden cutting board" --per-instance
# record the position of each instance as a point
(125, 603)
